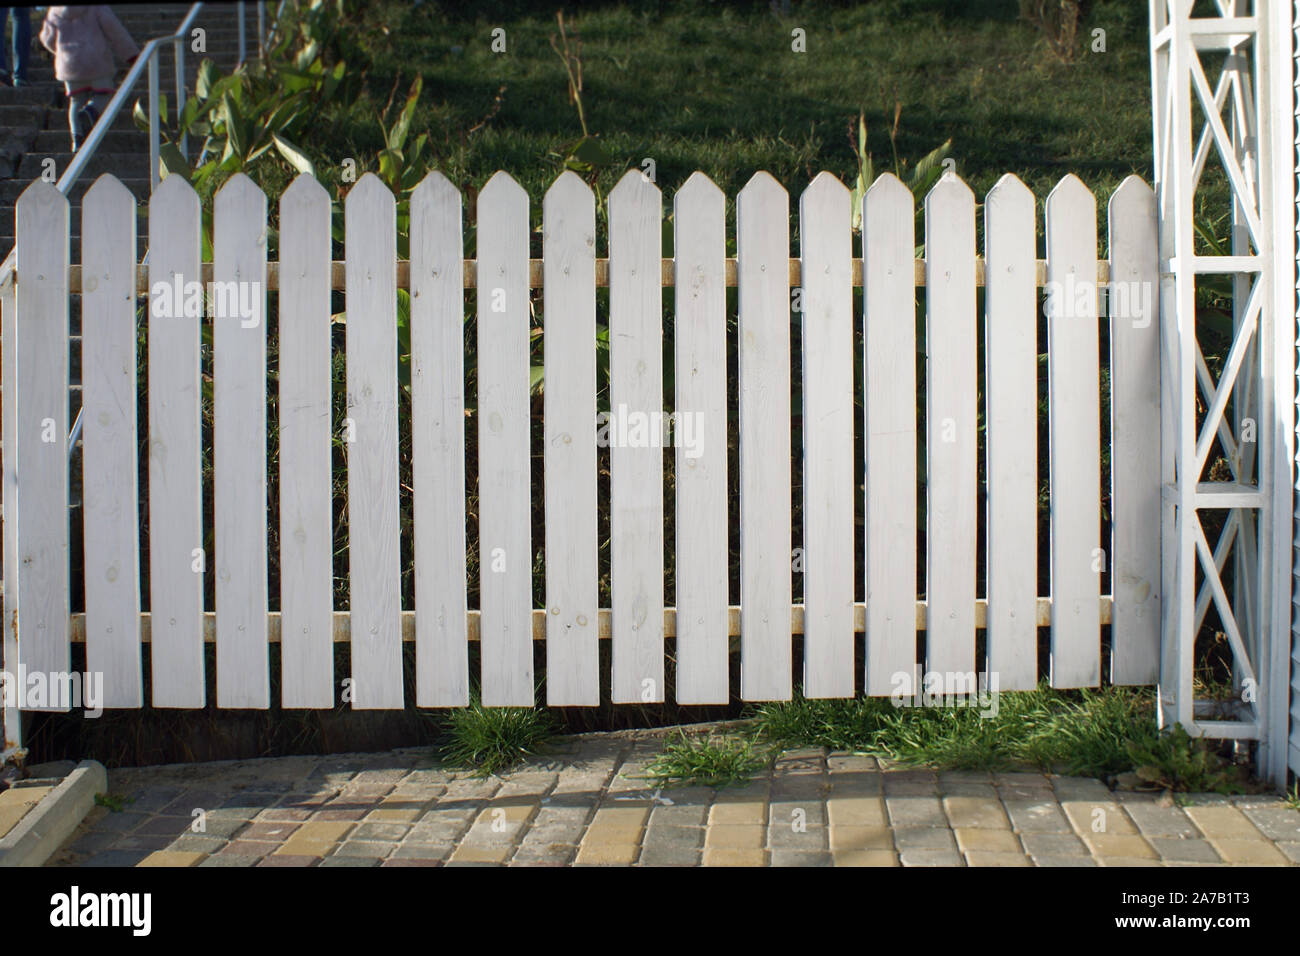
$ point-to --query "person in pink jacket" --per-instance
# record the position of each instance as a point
(84, 41)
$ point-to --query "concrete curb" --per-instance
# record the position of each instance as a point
(46, 826)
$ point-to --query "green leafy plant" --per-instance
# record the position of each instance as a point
(114, 802)
(1177, 761)
(711, 762)
(586, 156)
(919, 178)
(493, 739)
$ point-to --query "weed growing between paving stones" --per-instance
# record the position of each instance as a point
(493, 739)
(1292, 796)
(1101, 733)
(708, 761)
(114, 802)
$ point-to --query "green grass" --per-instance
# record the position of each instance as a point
(1099, 733)
(493, 739)
(1292, 796)
(707, 761)
(715, 86)
(114, 802)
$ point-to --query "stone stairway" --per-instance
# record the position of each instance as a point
(34, 120)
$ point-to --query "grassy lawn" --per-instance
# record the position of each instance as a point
(716, 87)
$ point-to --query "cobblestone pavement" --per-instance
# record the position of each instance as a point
(583, 805)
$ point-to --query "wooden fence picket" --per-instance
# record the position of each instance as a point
(42, 442)
(370, 431)
(762, 274)
(636, 508)
(1135, 419)
(238, 302)
(826, 250)
(306, 509)
(1011, 433)
(1075, 434)
(504, 480)
(700, 359)
(572, 600)
(177, 560)
(889, 373)
(109, 448)
(438, 443)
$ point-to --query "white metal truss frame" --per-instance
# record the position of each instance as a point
(1245, 122)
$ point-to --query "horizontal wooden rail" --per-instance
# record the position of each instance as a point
(667, 277)
(342, 621)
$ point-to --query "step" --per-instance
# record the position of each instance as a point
(33, 93)
(124, 165)
(114, 141)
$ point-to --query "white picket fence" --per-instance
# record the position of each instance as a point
(35, 351)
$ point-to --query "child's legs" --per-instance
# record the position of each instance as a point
(95, 93)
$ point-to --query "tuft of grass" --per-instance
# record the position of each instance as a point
(1292, 797)
(114, 802)
(493, 739)
(707, 761)
(1083, 732)
(1176, 761)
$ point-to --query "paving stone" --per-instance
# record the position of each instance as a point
(94, 842)
(841, 761)
(198, 843)
(924, 838)
(285, 860)
(732, 856)
(118, 822)
(451, 816)
(1257, 852)
(168, 826)
(735, 836)
(982, 791)
(374, 849)
(670, 856)
(153, 799)
(1053, 844)
(980, 812)
(1158, 821)
(246, 850)
(856, 785)
(1019, 779)
(527, 785)
(988, 841)
(480, 853)
(910, 784)
(660, 836)
(226, 860)
(679, 815)
(501, 824)
(856, 811)
(544, 854)
(1122, 845)
(926, 857)
(805, 839)
(1278, 823)
(387, 832)
(1224, 822)
(436, 832)
(734, 813)
(408, 850)
(1128, 861)
(916, 811)
(861, 838)
(792, 857)
(608, 853)
(1057, 861)
(117, 858)
(269, 832)
(1086, 789)
(1037, 816)
(1189, 851)
(1098, 816)
(150, 842)
(864, 858)
(332, 861)
(802, 789)
(1290, 850)
(471, 788)
(991, 858)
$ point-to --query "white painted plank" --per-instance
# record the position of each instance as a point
(504, 477)
(636, 512)
(762, 253)
(8, 496)
(889, 370)
(699, 244)
(826, 251)
(951, 430)
(176, 558)
(42, 393)
(306, 507)
(572, 574)
(1011, 433)
(438, 444)
(1135, 419)
(374, 560)
(1074, 434)
(239, 450)
(108, 436)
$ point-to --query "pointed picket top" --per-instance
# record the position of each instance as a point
(108, 189)
(435, 185)
(502, 187)
(1070, 189)
(173, 191)
(697, 188)
(826, 187)
(306, 190)
(635, 187)
(950, 188)
(568, 186)
(762, 185)
(369, 188)
(238, 188)
(887, 191)
(1008, 190)
(40, 201)
(1133, 190)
